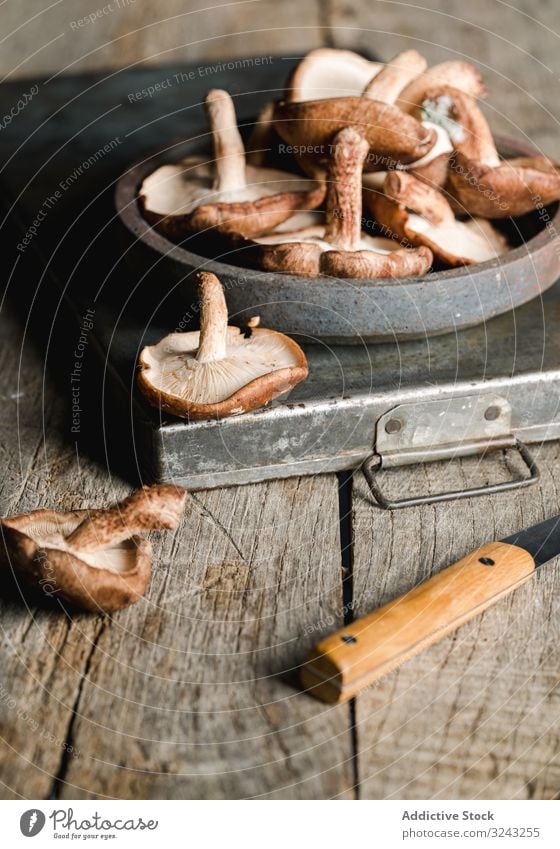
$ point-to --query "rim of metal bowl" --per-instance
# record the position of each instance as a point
(128, 210)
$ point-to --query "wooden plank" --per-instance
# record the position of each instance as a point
(189, 693)
(134, 33)
(44, 651)
(477, 715)
(184, 692)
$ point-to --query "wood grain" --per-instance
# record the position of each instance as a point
(190, 693)
(139, 33)
(186, 694)
(44, 649)
(476, 715)
(375, 644)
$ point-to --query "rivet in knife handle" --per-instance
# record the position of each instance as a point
(370, 647)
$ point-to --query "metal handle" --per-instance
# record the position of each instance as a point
(370, 473)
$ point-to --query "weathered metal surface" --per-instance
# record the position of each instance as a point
(448, 427)
(328, 422)
(343, 311)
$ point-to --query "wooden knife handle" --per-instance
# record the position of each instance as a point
(356, 656)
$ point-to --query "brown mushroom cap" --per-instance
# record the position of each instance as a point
(45, 548)
(510, 189)
(219, 371)
(387, 83)
(393, 136)
(459, 114)
(422, 215)
(456, 73)
(224, 194)
(431, 168)
(338, 247)
(328, 72)
(479, 182)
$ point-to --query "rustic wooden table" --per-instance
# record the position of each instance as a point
(190, 693)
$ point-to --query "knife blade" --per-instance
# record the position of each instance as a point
(372, 646)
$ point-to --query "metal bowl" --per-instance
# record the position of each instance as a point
(343, 311)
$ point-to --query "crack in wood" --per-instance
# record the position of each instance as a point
(67, 749)
(218, 524)
(345, 492)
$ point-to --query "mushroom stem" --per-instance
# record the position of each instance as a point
(148, 509)
(395, 76)
(422, 199)
(344, 206)
(260, 141)
(213, 319)
(229, 152)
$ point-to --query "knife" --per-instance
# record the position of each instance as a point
(359, 654)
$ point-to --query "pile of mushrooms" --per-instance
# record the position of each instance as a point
(220, 371)
(95, 560)
(337, 246)
(408, 140)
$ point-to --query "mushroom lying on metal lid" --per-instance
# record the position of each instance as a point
(328, 72)
(220, 371)
(94, 560)
(225, 194)
(422, 215)
(338, 247)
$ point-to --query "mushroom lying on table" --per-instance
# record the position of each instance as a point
(338, 247)
(93, 559)
(220, 371)
(225, 194)
(479, 182)
(414, 211)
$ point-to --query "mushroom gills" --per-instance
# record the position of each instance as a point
(180, 189)
(175, 369)
(120, 559)
(327, 72)
(476, 240)
(315, 236)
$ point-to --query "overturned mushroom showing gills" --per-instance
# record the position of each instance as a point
(327, 72)
(220, 371)
(338, 247)
(93, 560)
(225, 194)
(422, 215)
